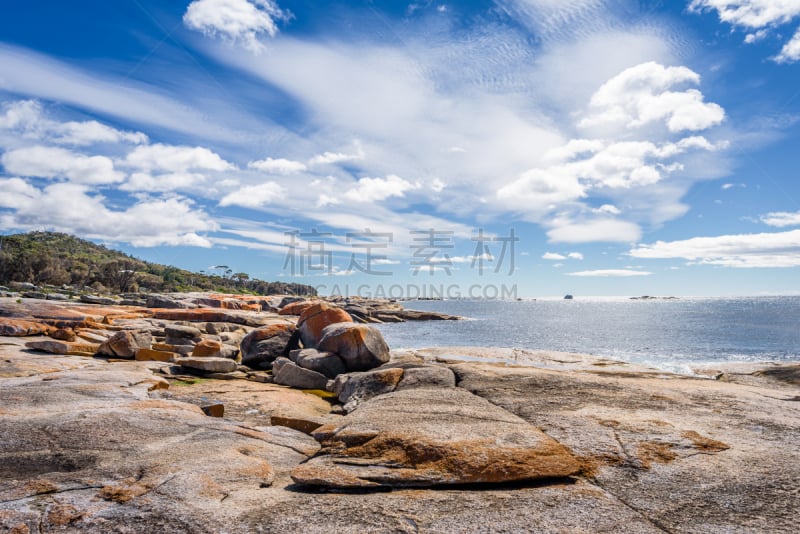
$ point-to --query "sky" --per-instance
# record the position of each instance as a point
(511, 148)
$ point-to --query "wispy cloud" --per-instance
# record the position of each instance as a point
(781, 219)
(606, 273)
(780, 249)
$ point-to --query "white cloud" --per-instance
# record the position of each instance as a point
(329, 158)
(35, 75)
(608, 209)
(375, 189)
(327, 200)
(599, 165)
(178, 159)
(277, 166)
(15, 192)
(781, 219)
(240, 21)
(71, 208)
(540, 190)
(142, 181)
(90, 132)
(20, 114)
(553, 256)
(727, 186)
(764, 16)
(51, 162)
(610, 230)
(790, 51)
(780, 249)
(254, 196)
(27, 117)
(575, 256)
(642, 95)
(606, 273)
(750, 13)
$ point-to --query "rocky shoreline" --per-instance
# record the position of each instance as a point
(213, 416)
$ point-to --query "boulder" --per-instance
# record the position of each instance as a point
(353, 389)
(218, 328)
(164, 301)
(360, 346)
(432, 437)
(125, 343)
(207, 348)
(21, 328)
(205, 315)
(96, 299)
(285, 301)
(77, 348)
(296, 308)
(57, 296)
(427, 376)
(287, 373)
(64, 334)
(261, 346)
(34, 295)
(176, 332)
(315, 318)
(327, 363)
(152, 355)
(211, 365)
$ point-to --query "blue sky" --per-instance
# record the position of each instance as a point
(612, 147)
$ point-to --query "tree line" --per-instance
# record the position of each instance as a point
(62, 260)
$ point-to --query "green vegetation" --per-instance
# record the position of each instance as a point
(62, 260)
(190, 382)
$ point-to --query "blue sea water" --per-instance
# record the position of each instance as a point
(668, 334)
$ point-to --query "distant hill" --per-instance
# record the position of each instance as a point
(50, 258)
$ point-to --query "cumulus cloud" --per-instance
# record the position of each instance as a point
(790, 51)
(606, 273)
(277, 166)
(592, 230)
(145, 182)
(28, 118)
(240, 21)
(72, 208)
(160, 157)
(763, 16)
(781, 219)
(553, 256)
(15, 192)
(780, 249)
(329, 158)
(375, 189)
(643, 94)
(253, 196)
(598, 165)
(52, 162)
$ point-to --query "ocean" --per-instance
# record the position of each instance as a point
(667, 334)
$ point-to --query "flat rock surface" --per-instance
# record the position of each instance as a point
(690, 454)
(96, 445)
(430, 437)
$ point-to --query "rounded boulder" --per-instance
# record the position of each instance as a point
(360, 346)
(262, 346)
(314, 320)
